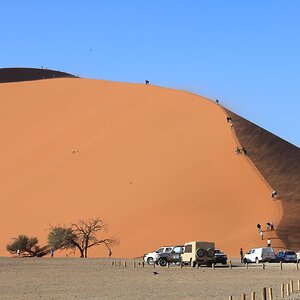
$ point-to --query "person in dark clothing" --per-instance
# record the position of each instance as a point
(258, 227)
(147, 81)
(217, 101)
(274, 194)
(237, 150)
(244, 151)
(242, 255)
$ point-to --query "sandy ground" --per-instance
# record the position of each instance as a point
(61, 278)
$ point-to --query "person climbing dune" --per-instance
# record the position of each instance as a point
(244, 151)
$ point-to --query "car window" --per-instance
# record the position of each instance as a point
(290, 253)
(188, 249)
(217, 251)
(177, 249)
(168, 249)
(160, 250)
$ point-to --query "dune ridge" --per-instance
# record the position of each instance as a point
(279, 163)
(29, 74)
(158, 165)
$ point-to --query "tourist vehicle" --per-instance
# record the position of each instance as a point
(286, 256)
(198, 253)
(220, 257)
(257, 255)
(149, 257)
(173, 256)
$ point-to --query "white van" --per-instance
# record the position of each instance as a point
(258, 255)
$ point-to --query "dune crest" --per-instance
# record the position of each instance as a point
(158, 165)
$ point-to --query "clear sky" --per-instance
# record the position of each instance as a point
(246, 53)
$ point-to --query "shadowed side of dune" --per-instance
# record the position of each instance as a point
(279, 163)
(28, 74)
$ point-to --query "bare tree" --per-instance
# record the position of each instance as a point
(86, 232)
(81, 236)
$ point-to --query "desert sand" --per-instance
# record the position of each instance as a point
(158, 165)
(279, 163)
(97, 279)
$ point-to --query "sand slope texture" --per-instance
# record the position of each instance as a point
(158, 165)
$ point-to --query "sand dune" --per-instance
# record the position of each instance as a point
(29, 74)
(279, 163)
(157, 164)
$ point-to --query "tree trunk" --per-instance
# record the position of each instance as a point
(81, 253)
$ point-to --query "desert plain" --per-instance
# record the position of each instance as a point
(72, 278)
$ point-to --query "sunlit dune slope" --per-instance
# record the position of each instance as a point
(158, 165)
(279, 163)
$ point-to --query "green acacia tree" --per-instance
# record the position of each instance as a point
(28, 246)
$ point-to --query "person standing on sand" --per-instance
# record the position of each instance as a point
(274, 194)
(51, 252)
(18, 252)
(258, 227)
(242, 255)
(109, 253)
(261, 234)
(269, 242)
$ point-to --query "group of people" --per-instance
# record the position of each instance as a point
(270, 227)
(240, 150)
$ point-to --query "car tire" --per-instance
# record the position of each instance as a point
(162, 262)
(210, 252)
(245, 260)
(257, 260)
(200, 253)
(150, 261)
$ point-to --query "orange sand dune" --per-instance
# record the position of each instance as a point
(157, 164)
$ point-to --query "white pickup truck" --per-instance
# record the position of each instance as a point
(149, 257)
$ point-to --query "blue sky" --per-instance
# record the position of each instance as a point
(245, 53)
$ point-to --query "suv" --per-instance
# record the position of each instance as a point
(149, 257)
(198, 253)
(258, 255)
(174, 256)
(220, 257)
(286, 256)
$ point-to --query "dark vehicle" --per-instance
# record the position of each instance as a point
(174, 256)
(286, 256)
(220, 257)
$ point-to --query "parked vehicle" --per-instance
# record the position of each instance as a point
(198, 253)
(174, 256)
(298, 256)
(257, 255)
(220, 257)
(286, 256)
(149, 257)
